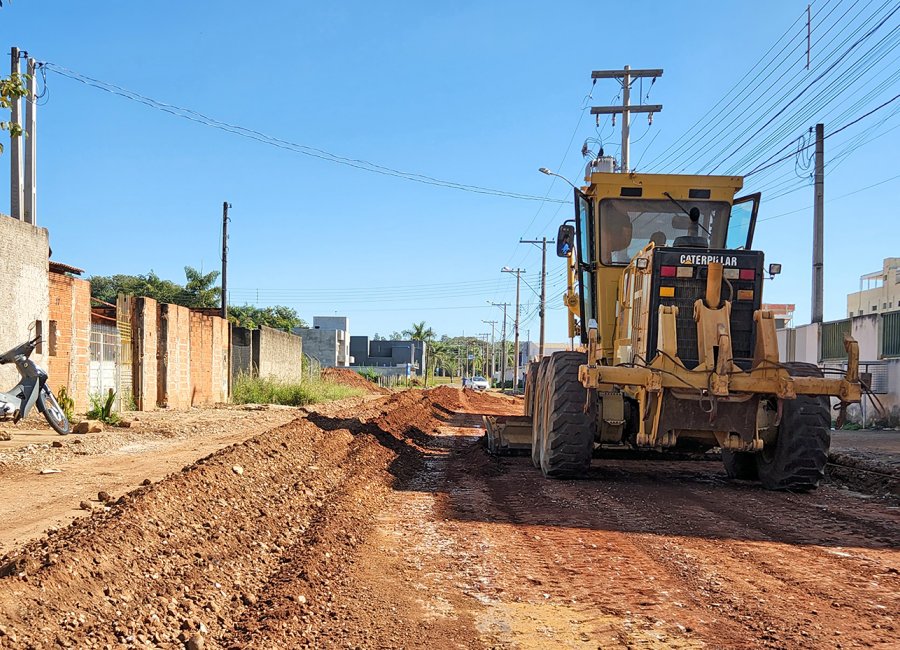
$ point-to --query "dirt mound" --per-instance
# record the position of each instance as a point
(352, 378)
(231, 547)
(473, 401)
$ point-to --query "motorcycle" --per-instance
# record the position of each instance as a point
(31, 390)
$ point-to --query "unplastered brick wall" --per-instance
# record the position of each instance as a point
(69, 337)
(144, 359)
(210, 370)
(24, 285)
(174, 382)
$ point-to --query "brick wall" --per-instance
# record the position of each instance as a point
(144, 357)
(174, 383)
(210, 367)
(69, 337)
(24, 285)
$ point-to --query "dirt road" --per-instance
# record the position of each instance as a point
(386, 525)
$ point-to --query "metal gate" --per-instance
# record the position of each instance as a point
(105, 362)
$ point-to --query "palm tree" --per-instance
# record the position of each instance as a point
(419, 332)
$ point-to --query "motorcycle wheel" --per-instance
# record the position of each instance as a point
(53, 412)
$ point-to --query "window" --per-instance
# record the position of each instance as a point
(874, 307)
(585, 236)
(628, 225)
(51, 343)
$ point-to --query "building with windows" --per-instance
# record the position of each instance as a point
(879, 291)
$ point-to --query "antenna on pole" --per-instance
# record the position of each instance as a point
(627, 77)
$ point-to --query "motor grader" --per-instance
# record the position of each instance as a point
(672, 349)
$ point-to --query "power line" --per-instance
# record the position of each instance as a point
(205, 120)
(835, 132)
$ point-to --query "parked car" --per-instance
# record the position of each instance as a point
(479, 383)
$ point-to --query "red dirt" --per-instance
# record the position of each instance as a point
(386, 525)
(352, 378)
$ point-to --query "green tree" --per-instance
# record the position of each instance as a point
(200, 288)
(11, 89)
(419, 332)
(278, 317)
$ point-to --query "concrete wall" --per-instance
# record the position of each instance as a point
(321, 345)
(69, 337)
(341, 325)
(174, 354)
(24, 285)
(268, 353)
(280, 355)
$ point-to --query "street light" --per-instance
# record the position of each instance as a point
(544, 170)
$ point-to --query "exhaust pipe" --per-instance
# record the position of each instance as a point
(714, 285)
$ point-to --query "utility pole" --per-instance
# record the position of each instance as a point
(493, 356)
(225, 207)
(818, 289)
(16, 202)
(518, 274)
(543, 241)
(504, 305)
(30, 212)
(627, 77)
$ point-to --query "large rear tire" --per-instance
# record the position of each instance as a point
(567, 440)
(797, 459)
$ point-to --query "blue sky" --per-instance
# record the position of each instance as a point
(473, 92)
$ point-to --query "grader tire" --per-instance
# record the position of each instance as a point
(740, 465)
(539, 390)
(797, 459)
(567, 440)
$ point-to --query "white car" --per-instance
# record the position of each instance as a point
(479, 383)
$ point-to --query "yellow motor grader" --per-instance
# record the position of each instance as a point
(676, 352)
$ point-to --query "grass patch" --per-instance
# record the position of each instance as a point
(255, 390)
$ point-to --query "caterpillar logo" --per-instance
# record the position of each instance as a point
(706, 260)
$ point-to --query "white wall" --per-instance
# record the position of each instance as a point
(24, 289)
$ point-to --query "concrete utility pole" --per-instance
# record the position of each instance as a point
(30, 213)
(504, 305)
(818, 287)
(225, 207)
(627, 77)
(16, 202)
(543, 241)
(492, 323)
(518, 274)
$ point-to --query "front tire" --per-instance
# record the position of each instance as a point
(797, 459)
(52, 411)
(567, 440)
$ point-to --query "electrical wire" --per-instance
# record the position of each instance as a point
(321, 154)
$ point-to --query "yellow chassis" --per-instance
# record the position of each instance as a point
(716, 376)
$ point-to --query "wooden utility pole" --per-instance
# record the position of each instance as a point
(542, 242)
(627, 76)
(818, 287)
(518, 273)
(225, 207)
(492, 323)
(504, 305)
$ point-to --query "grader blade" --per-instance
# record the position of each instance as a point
(508, 435)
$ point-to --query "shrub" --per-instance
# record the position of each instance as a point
(102, 408)
(257, 390)
(66, 403)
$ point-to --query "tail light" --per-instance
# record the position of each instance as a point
(667, 271)
(748, 274)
